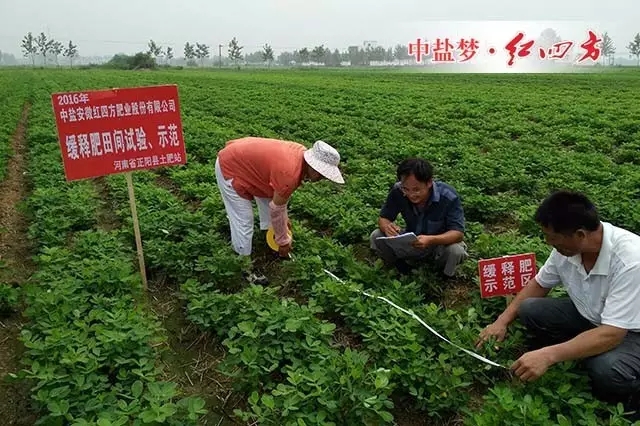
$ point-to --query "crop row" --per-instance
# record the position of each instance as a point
(91, 345)
(12, 100)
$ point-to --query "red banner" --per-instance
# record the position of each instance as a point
(506, 275)
(119, 130)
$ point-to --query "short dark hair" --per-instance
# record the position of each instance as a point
(421, 169)
(565, 212)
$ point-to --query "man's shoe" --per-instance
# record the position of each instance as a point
(633, 407)
(403, 267)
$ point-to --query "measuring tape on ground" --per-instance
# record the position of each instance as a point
(417, 318)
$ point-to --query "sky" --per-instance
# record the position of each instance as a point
(103, 28)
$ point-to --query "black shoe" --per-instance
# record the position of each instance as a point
(403, 267)
(633, 407)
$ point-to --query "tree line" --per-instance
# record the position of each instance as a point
(46, 48)
(194, 54)
(354, 55)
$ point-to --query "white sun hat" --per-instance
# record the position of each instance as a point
(324, 159)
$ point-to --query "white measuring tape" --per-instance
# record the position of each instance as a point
(417, 318)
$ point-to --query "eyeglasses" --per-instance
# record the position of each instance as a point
(412, 191)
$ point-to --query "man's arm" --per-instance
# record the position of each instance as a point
(388, 214)
(589, 343)
(620, 313)
(454, 223)
(446, 238)
(534, 364)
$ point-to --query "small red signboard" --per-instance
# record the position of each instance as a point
(119, 130)
(502, 276)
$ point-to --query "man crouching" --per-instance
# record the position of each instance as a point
(431, 210)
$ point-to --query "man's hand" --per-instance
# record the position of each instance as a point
(284, 250)
(390, 229)
(497, 330)
(532, 365)
(423, 241)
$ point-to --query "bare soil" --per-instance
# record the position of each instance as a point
(191, 357)
(15, 259)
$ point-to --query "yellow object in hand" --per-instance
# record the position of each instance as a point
(271, 239)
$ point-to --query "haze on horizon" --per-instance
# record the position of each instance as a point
(101, 29)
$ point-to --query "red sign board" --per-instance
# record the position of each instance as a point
(119, 130)
(502, 276)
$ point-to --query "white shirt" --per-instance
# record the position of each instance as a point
(610, 293)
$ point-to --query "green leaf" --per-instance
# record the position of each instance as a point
(382, 380)
(293, 324)
(327, 328)
(563, 421)
(246, 327)
(196, 405)
(576, 401)
(137, 388)
(268, 401)
(386, 416)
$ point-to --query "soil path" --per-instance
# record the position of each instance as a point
(15, 259)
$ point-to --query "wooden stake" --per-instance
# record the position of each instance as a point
(136, 229)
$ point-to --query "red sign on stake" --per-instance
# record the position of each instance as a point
(119, 130)
(507, 275)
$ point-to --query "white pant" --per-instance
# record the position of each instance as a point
(240, 214)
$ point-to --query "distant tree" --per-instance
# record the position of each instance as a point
(71, 52)
(267, 54)
(304, 55)
(388, 54)
(189, 53)
(608, 48)
(356, 55)
(317, 54)
(29, 47)
(634, 48)
(548, 38)
(235, 51)
(154, 49)
(377, 53)
(57, 49)
(202, 51)
(44, 46)
(141, 60)
(332, 59)
(7, 59)
(169, 55)
(401, 52)
(286, 58)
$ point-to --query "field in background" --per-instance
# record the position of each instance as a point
(306, 349)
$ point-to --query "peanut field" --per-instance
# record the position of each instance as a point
(205, 347)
